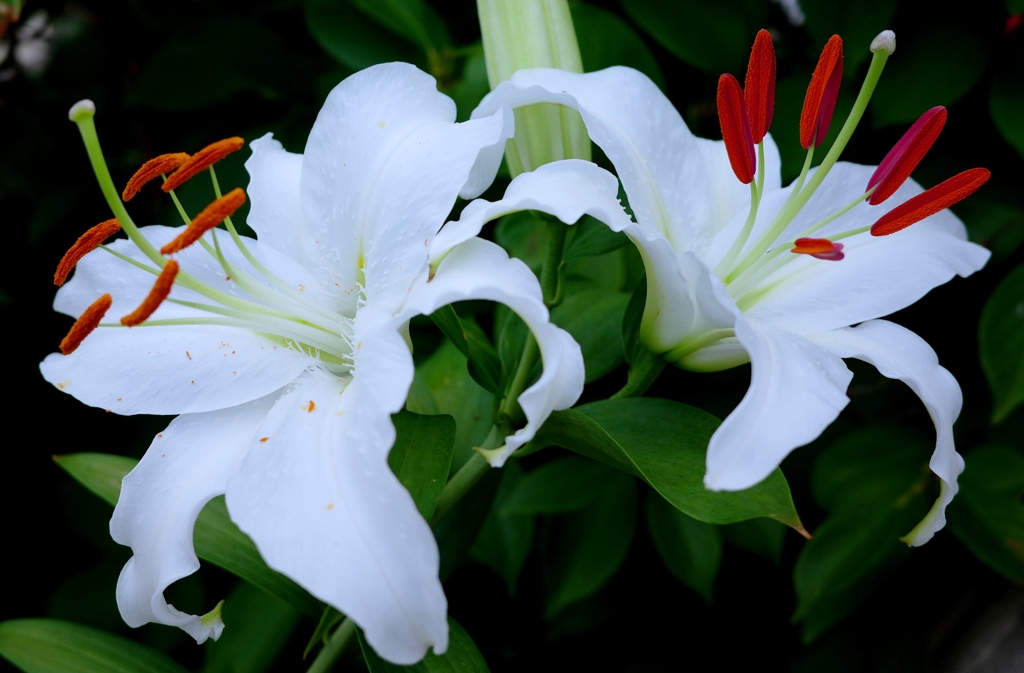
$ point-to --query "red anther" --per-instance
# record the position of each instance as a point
(161, 288)
(210, 217)
(939, 197)
(202, 160)
(905, 155)
(85, 244)
(86, 323)
(820, 248)
(1014, 22)
(165, 163)
(732, 115)
(759, 86)
(820, 101)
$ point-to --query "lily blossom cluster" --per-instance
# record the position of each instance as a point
(741, 269)
(284, 356)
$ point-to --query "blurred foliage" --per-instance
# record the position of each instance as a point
(545, 562)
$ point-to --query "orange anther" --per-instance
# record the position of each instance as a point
(759, 85)
(820, 101)
(161, 288)
(732, 115)
(210, 217)
(821, 248)
(86, 323)
(165, 163)
(202, 160)
(939, 197)
(85, 244)
(906, 154)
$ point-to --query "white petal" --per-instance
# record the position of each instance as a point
(479, 269)
(318, 499)
(655, 155)
(275, 213)
(900, 354)
(566, 189)
(383, 166)
(186, 465)
(797, 388)
(169, 369)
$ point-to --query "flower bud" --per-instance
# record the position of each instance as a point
(534, 34)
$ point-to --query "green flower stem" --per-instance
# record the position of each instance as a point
(468, 475)
(641, 376)
(509, 409)
(334, 647)
(551, 273)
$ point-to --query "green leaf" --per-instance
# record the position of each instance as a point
(458, 529)
(988, 515)
(1001, 342)
(763, 537)
(522, 234)
(875, 484)
(328, 620)
(936, 66)
(712, 36)
(216, 538)
(591, 238)
(1014, 7)
(100, 473)
(471, 86)
(413, 20)
(505, 539)
(466, 335)
(593, 316)
(994, 221)
(54, 646)
(587, 547)
(857, 24)
(691, 549)
(454, 392)
(563, 485)
(665, 444)
(353, 39)
(606, 40)
(462, 656)
(422, 456)
(1006, 101)
(260, 627)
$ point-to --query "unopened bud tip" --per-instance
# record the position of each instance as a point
(885, 41)
(82, 109)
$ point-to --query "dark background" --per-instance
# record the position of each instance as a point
(170, 77)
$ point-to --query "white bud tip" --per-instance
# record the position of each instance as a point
(886, 41)
(82, 109)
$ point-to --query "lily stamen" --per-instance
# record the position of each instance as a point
(210, 217)
(732, 116)
(819, 248)
(906, 154)
(931, 201)
(202, 160)
(822, 92)
(85, 244)
(161, 165)
(86, 323)
(759, 86)
(161, 288)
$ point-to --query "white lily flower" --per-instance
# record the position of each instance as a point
(724, 285)
(285, 357)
